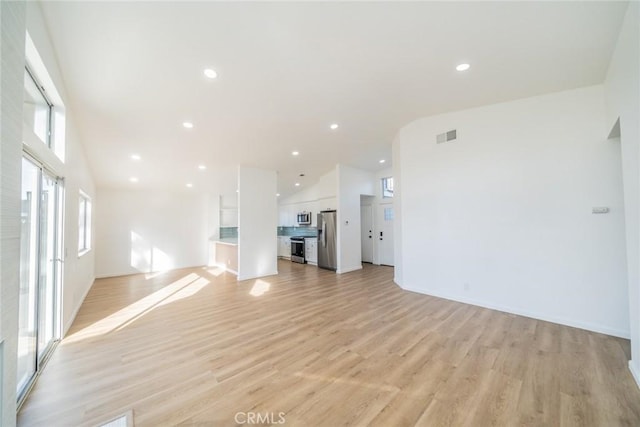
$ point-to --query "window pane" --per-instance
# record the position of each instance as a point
(28, 274)
(81, 221)
(87, 226)
(36, 112)
(46, 285)
(84, 224)
(387, 187)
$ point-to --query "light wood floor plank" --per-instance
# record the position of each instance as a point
(195, 347)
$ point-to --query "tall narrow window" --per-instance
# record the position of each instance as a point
(84, 224)
(387, 187)
(37, 112)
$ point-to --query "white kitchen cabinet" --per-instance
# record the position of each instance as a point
(311, 250)
(229, 217)
(284, 247)
(329, 204)
(229, 210)
(313, 208)
(292, 216)
(282, 216)
(286, 216)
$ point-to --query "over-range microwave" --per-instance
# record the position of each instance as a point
(304, 218)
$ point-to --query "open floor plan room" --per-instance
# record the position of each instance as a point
(319, 213)
(195, 347)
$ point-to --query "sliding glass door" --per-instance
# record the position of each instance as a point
(28, 274)
(39, 270)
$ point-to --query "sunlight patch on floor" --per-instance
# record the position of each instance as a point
(133, 311)
(260, 287)
(214, 271)
(124, 420)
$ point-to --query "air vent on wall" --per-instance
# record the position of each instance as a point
(446, 137)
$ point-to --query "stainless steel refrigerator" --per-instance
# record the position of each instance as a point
(327, 229)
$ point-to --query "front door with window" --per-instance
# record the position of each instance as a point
(385, 234)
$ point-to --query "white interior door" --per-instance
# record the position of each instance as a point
(366, 232)
(384, 234)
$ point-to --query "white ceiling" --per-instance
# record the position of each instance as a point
(134, 73)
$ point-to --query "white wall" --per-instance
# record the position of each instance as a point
(258, 221)
(502, 217)
(398, 228)
(144, 231)
(213, 226)
(325, 188)
(78, 271)
(622, 94)
(352, 183)
(12, 33)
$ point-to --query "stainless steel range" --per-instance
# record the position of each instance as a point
(297, 249)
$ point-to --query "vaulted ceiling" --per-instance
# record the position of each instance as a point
(287, 71)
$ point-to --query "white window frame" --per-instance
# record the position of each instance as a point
(387, 193)
(49, 126)
(84, 223)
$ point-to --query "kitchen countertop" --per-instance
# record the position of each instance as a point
(228, 241)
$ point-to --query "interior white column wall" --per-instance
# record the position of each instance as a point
(398, 229)
(352, 183)
(257, 223)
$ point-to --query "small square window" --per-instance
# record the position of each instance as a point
(388, 214)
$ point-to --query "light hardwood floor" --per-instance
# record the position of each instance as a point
(193, 347)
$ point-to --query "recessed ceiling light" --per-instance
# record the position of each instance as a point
(463, 67)
(210, 73)
(135, 157)
(334, 126)
(187, 125)
(295, 153)
(297, 184)
(189, 185)
(202, 167)
(277, 194)
(133, 179)
(382, 161)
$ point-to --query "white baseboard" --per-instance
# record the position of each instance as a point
(272, 273)
(77, 309)
(225, 268)
(526, 313)
(349, 269)
(634, 372)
